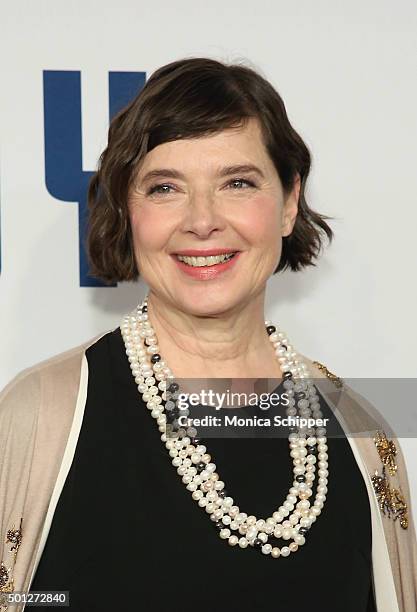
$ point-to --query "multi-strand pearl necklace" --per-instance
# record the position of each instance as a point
(308, 448)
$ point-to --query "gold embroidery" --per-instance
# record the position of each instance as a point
(335, 379)
(13, 536)
(391, 501)
(4, 576)
(387, 451)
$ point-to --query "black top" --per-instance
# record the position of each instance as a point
(127, 535)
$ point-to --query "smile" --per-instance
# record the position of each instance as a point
(207, 268)
(211, 260)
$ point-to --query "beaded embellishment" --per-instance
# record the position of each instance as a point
(335, 379)
(387, 451)
(14, 537)
(391, 501)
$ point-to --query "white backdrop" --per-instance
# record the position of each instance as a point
(347, 76)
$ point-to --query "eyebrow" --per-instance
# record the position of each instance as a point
(225, 171)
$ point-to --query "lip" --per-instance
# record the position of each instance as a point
(206, 273)
(205, 252)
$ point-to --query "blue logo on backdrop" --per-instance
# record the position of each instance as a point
(64, 176)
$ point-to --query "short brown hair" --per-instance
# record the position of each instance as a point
(189, 98)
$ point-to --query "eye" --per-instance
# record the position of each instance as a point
(154, 189)
(240, 180)
(162, 188)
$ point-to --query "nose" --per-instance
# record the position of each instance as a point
(202, 215)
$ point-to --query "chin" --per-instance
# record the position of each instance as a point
(208, 303)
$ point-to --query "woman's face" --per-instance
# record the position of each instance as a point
(194, 200)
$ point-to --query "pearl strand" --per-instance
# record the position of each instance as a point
(292, 519)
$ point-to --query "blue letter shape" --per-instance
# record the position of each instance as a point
(64, 177)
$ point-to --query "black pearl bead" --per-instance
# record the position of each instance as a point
(144, 308)
(311, 450)
(257, 542)
(222, 493)
(302, 530)
(271, 329)
(288, 375)
(155, 357)
(200, 466)
(173, 387)
(300, 478)
(219, 524)
(195, 441)
(293, 429)
(284, 346)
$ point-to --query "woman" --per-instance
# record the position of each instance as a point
(200, 191)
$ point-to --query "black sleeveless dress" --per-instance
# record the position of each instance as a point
(127, 535)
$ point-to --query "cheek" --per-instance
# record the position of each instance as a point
(262, 222)
(150, 230)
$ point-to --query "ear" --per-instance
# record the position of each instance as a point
(290, 208)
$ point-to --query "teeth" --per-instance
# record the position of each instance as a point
(199, 262)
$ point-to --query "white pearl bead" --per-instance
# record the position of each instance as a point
(266, 549)
(251, 533)
(286, 533)
(243, 543)
(285, 551)
(241, 517)
(233, 540)
(299, 539)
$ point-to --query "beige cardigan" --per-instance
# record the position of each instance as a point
(41, 412)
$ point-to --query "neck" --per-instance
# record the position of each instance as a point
(228, 344)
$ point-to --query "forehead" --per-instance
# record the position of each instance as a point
(235, 145)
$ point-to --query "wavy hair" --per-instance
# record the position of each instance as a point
(190, 98)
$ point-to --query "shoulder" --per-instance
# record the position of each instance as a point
(58, 374)
(361, 414)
